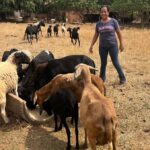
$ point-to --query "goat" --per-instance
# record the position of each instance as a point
(66, 81)
(6, 54)
(47, 71)
(97, 113)
(70, 31)
(20, 69)
(74, 35)
(33, 30)
(63, 28)
(9, 78)
(40, 23)
(43, 56)
(55, 29)
(49, 31)
(63, 104)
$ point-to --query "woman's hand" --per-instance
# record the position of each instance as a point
(91, 49)
(121, 47)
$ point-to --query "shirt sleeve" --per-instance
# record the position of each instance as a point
(116, 24)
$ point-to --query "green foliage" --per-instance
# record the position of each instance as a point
(128, 5)
(71, 4)
(49, 5)
(28, 6)
(7, 6)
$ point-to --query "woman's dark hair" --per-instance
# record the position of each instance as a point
(108, 8)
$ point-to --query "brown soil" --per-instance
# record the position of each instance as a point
(132, 101)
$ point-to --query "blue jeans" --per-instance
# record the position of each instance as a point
(113, 52)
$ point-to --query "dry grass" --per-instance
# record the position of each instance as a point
(131, 101)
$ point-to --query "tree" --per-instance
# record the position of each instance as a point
(129, 7)
(6, 6)
(126, 7)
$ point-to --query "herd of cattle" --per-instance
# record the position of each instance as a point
(57, 86)
(32, 30)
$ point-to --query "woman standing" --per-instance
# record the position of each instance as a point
(106, 29)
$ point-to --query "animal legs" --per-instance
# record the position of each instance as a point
(25, 35)
(75, 41)
(41, 33)
(56, 120)
(76, 126)
(114, 140)
(92, 140)
(79, 41)
(68, 133)
(3, 112)
(36, 37)
(110, 146)
(60, 126)
(16, 92)
(72, 41)
(29, 37)
(85, 139)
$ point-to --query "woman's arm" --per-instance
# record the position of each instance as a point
(121, 46)
(94, 39)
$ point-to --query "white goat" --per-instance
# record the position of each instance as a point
(63, 28)
(97, 112)
(9, 78)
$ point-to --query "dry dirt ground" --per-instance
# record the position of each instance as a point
(132, 101)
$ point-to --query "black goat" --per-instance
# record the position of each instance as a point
(49, 31)
(74, 35)
(42, 57)
(70, 31)
(55, 29)
(33, 30)
(45, 72)
(63, 104)
(6, 54)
